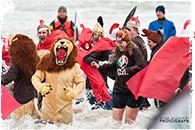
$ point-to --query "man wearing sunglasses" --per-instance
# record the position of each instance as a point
(97, 33)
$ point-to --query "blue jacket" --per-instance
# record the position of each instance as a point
(167, 27)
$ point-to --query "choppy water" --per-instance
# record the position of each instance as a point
(87, 119)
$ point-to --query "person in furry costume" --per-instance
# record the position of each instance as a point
(24, 59)
(63, 81)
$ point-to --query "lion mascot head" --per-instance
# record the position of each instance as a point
(23, 53)
(62, 55)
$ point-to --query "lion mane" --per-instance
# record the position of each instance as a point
(23, 53)
(48, 61)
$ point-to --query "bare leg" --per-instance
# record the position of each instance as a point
(131, 114)
(117, 114)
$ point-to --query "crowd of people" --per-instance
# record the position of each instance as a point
(123, 58)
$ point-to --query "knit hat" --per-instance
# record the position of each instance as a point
(42, 26)
(62, 8)
(133, 23)
(154, 36)
(160, 8)
(123, 34)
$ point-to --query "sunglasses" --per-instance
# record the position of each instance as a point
(97, 34)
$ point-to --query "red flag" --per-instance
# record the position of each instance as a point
(97, 82)
(8, 103)
(164, 72)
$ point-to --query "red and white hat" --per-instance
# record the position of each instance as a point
(42, 26)
(133, 23)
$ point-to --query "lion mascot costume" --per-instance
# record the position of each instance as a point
(24, 60)
(59, 79)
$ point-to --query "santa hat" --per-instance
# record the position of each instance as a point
(154, 36)
(123, 34)
(42, 26)
(133, 23)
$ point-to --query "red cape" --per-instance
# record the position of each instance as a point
(51, 39)
(97, 82)
(8, 103)
(85, 35)
(44, 46)
(161, 77)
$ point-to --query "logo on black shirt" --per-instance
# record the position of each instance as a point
(123, 61)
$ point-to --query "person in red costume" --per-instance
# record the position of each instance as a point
(6, 60)
(93, 45)
(5, 54)
(87, 42)
(42, 32)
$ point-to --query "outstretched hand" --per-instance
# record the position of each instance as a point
(95, 64)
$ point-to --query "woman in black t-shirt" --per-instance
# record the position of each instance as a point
(128, 60)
